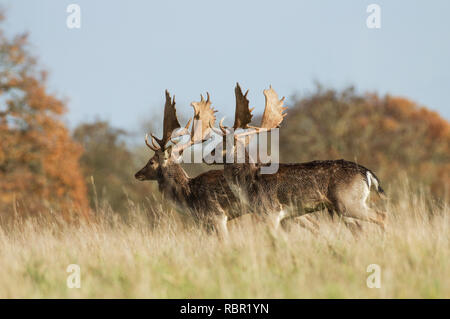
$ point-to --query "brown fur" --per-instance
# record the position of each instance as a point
(337, 185)
(206, 197)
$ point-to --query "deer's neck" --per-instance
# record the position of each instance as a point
(174, 183)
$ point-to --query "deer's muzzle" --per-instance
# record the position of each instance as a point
(139, 176)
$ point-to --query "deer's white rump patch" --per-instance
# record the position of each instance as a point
(371, 180)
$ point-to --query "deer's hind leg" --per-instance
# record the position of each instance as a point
(351, 201)
(352, 224)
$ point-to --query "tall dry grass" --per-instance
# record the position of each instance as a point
(143, 256)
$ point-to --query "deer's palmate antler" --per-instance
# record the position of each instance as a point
(272, 117)
(204, 118)
(170, 124)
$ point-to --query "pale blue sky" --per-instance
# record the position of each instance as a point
(127, 52)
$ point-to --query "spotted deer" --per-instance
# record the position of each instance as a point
(340, 186)
(206, 197)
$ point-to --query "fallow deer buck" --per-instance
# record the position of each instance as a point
(340, 186)
(207, 197)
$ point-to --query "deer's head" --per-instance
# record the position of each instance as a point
(153, 169)
(166, 157)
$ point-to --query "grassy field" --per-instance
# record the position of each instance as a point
(134, 257)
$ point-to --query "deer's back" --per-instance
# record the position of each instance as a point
(311, 181)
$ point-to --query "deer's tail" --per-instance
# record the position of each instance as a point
(372, 180)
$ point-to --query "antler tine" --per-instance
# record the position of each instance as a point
(222, 127)
(153, 148)
(186, 128)
(216, 130)
(155, 141)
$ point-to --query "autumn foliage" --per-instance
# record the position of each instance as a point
(38, 159)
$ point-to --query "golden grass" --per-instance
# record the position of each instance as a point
(131, 258)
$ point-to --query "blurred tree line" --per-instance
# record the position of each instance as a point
(109, 165)
(392, 136)
(44, 167)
